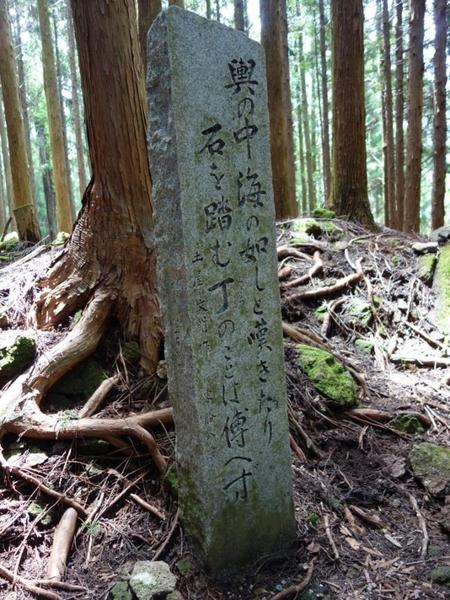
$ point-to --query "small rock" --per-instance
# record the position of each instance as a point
(121, 591)
(441, 575)
(61, 238)
(184, 566)
(427, 265)
(150, 578)
(441, 234)
(35, 509)
(407, 423)
(161, 369)
(425, 247)
(431, 465)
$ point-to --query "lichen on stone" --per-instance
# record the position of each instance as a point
(328, 375)
(431, 465)
(427, 264)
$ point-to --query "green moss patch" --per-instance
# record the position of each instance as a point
(17, 351)
(364, 346)
(77, 385)
(328, 375)
(360, 312)
(441, 575)
(427, 264)
(303, 227)
(323, 213)
(407, 424)
(431, 465)
(442, 284)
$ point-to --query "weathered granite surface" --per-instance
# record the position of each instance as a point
(217, 269)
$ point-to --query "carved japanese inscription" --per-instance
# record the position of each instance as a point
(215, 225)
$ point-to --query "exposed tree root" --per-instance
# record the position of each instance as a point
(316, 268)
(27, 585)
(94, 402)
(62, 541)
(295, 590)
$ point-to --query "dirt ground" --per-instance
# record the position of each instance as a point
(363, 520)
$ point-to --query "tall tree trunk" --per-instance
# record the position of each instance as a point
(399, 117)
(414, 137)
(208, 9)
(306, 128)
(325, 106)
(111, 250)
(349, 171)
(60, 174)
(46, 174)
(76, 112)
(439, 122)
(148, 10)
(179, 3)
(301, 152)
(59, 82)
(9, 200)
(392, 213)
(218, 16)
(23, 98)
(24, 213)
(274, 41)
(239, 15)
(2, 199)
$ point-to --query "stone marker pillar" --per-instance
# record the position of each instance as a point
(217, 270)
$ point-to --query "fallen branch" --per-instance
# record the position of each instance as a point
(316, 267)
(295, 590)
(367, 516)
(338, 286)
(163, 546)
(421, 361)
(27, 585)
(433, 343)
(147, 506)
(423, 526)
(94, 402)
(62, 541)
(329, 535)
(385, 417)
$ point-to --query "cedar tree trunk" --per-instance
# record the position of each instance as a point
(414, 137)
(349, 172)
(440, 123)
(27, 225)
(112, 246)
(148, 10)
(399, 117)
(274, 41)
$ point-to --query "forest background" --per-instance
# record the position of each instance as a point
(307, 80)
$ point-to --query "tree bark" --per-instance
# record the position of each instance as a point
(399, 117)
(46, 174)
(208, 9)
(179, 3)
(27, 226)
(9, 201)
(301, 152)
(325, 106)
(239, 15)
(60, 175)
(349, 171)
(59, 82)
(391, 216)
(148, 10)
(23, 99)
(274, 41)
(218, 16)
(76, 111)
(306, 127)
(112, 245)
(439, 121)
(414, 137)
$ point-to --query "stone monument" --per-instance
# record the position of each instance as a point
(217, 271)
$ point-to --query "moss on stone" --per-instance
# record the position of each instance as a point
(442, 282)
(441, 575)
(11, 239)
(328, 375)
(121, 591)
(79, 383)
(323, 213)
(360, 312)
(17, 351)
(427, 264)
(431, 464)
(61, 238)
(171, 479)
(321, 312)
(364, 346)
(407, 424)
(317, 229)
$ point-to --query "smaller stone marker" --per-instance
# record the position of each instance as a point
(217, 270)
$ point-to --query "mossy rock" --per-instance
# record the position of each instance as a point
(364, 346)
(427, 264)
(10, 240)
(441, 575)
(35, 509)
(431, 465)
(79, 383)
(17, 352)
(407, 424)
(121, 591)
(61, 238)
(359, 312)
(317, 229)
(442, 285)
(328, 375)
(323, 213)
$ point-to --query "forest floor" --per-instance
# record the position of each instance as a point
(367, 528)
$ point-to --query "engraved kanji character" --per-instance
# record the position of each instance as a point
(241, 73)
